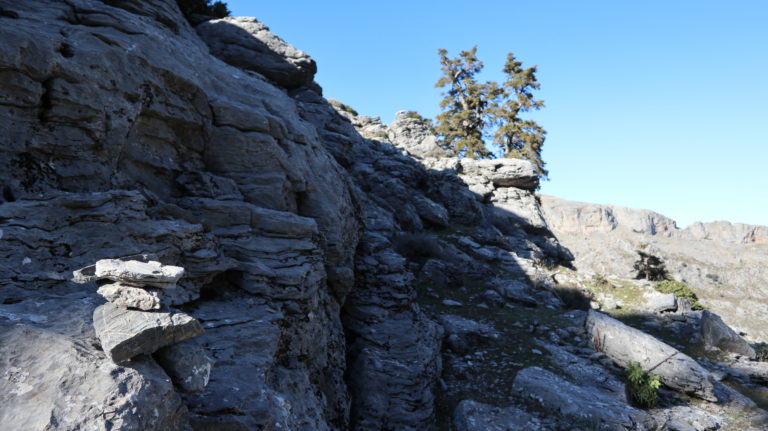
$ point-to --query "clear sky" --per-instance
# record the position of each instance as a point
(655, 104)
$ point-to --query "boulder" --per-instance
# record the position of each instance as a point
(125, 334)
(658, 302)
(516, 173)
(463, 334)
(471, 415)
(135, 272)
(187, 364)
(246, 43)
(756, 370)
(587, 407)
(715, 333)
(55, 382)
(624, 344)
(131, 297)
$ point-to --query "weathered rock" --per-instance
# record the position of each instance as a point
(756, 370)
(414, 136)
(248, 44)
(125, 334)
(684, 418)
(131, 297)
(186, 364)
(585, 407)
(516, 173)
(624, 344)
(586, 374)
(715, 333)
(658, 302)
(463, 334)
(139, 273)
(471, 415)
(52, 381)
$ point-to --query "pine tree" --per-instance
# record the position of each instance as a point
(519, 138)
(462, 123)
(473, 111)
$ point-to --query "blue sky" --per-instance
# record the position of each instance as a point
(658, 105)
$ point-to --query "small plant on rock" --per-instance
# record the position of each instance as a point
(343, 107)
(761, 349)
(650, 267)
(642, 387)
(680, 290)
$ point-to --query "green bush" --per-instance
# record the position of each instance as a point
(762, 351)
(342, 107)
(650, 267)
(642, 388)
(680, 290)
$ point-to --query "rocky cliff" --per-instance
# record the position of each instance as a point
(724, 263)
(345, 273)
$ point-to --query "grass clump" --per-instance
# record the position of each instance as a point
(642, 387)
(680, 290)
(342, 107)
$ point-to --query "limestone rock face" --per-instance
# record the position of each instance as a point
(624, 344)
(52, 376)
(474, 416)
(125, 334)
(584, 407)
(186, 364)
(248, 44)
(715, 333)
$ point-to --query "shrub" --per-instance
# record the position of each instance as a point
(650, 267)
(761, 349)
(342, 107)
(216, 9)
(642, 387)
(418, 246)
(573, 298)
(680, 290)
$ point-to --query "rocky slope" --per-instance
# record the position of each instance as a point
(346, 274)
(725, 264)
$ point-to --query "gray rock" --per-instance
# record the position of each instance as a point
(186, 364)
(52, 381)
(658, 302)
(248, 44)
(715, 333)
(139, 273)
(756, 370)
(471, 415)
(463, 334)
(125, 334)
(516, 173)
(131, 297)
(624, 344)
(583, 407)
(684, 418)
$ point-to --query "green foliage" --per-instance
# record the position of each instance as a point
(680, 290)
(416, 116)
(343, 107)
(473, 110)
(650, 267)
(216, 9)
(762, 351)
(642, 387)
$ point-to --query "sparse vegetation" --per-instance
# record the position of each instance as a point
(680, 290)
(761, 349)
(642, 387)
(573, 297)
(203, 8)
(342, 107)
(650, 267)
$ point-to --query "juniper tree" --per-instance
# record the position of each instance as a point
(518, 138)
(461, 125)
(473, 111)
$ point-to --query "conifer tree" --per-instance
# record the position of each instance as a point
(462, 123)
(473, 111)
(518, 138)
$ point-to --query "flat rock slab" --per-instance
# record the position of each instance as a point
(187, 365)
(125, 334)
(583, 407)
(624, 344)
(716, 333)
(131, 297)
(135, 272)
(471, 415)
